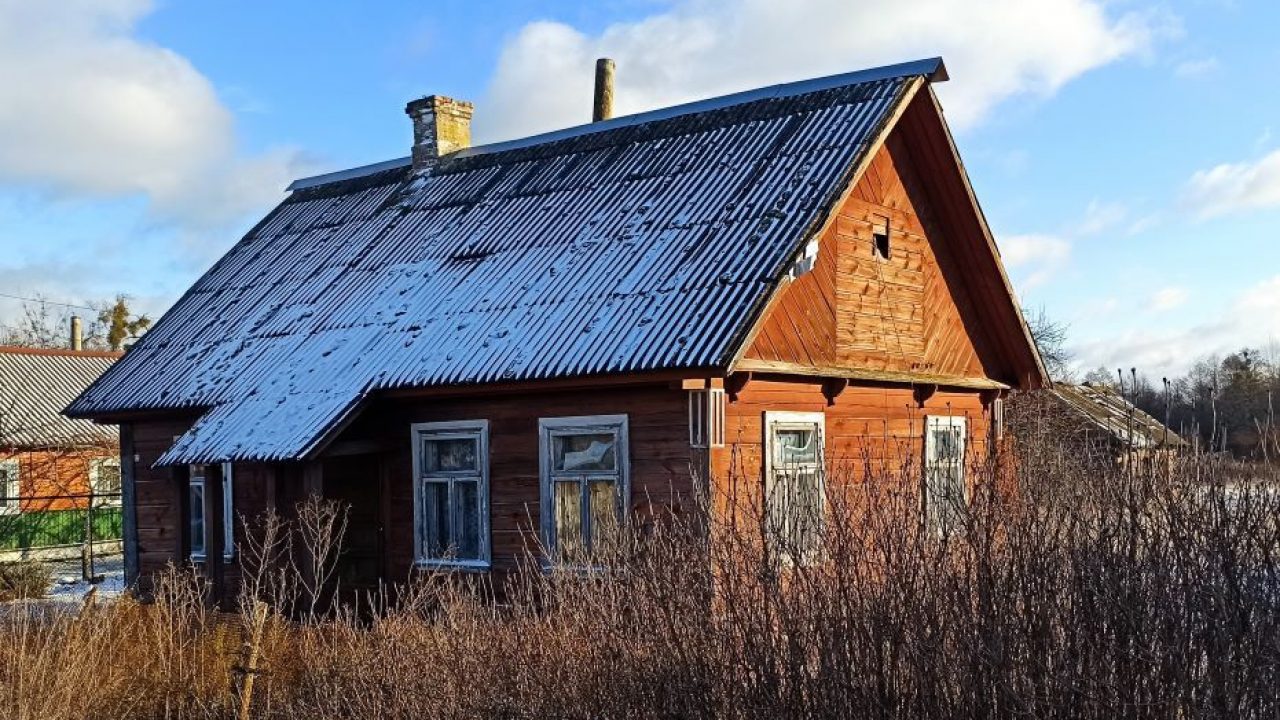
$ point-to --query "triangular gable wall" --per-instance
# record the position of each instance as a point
(911, 314)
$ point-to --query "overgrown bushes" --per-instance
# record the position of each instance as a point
(23, 580)
(1113, 593)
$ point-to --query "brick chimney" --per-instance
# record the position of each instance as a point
(441, 126)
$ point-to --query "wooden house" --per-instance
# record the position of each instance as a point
(479, 348)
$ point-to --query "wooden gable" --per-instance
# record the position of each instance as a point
(914, 314)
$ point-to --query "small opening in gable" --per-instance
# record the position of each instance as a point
(880, 236)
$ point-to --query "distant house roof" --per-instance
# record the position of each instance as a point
(642, 243)
(1105, 409)
(35, 384)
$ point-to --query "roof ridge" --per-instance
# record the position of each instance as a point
(58, 352)
(931, 68)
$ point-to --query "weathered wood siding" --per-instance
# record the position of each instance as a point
(908, 313)
(872, 432)
(659, 454)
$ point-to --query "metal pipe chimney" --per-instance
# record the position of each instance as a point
(602, 107)
(77, 333)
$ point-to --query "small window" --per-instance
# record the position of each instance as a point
(451, 509)
(195, 513)
(104, 481)
(228, 513)
(795, 494)
(584, 482)
(10, 502)
(880, 236)
(944, 491)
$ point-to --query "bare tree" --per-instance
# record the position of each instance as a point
(1050, 336)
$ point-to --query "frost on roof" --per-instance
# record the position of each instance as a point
(648, 246)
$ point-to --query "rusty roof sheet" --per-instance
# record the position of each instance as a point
(35, 384)
(1107, 410)
(645, 243)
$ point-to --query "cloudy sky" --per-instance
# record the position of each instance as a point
(1127, 153)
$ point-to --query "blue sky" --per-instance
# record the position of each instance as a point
(1126, 153)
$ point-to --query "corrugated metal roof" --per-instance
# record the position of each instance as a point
(35, 384)
(1107, 410)
(644, 246)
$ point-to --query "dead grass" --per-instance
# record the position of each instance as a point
(1070, 593)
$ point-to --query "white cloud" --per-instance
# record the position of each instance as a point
(1251, 319)
(1100, 216)
(1196, 69)
(700, 48)
(1235, 187)
(1168, 298)
(90, 109)
(1034, 257)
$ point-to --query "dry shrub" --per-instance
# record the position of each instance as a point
(24, 580)
(1103, 591)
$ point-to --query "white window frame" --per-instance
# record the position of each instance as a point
(938, 518)
(787, 420)
(552, 427)
(196, 479)
(707, 418)
(95, 479)
(12, 490)
(454, 429)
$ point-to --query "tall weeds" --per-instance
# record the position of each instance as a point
(1075, 589)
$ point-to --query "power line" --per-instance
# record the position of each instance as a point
(47, 302)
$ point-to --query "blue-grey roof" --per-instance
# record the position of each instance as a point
(35, 384)
(646, 243)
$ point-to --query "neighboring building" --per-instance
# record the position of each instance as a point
(481, 347)
(51, 466)
(1101, 424)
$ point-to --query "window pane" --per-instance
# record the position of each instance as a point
(196, 510)
(604, 513)
(946, 444)
(435, 519)
(568, 513)
(806, 511)
(792, 446)
(448, 455)
(584, 453)
(466, 498)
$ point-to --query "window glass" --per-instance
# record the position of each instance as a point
(569, 530)
(435, 519)
(466, 505)
(795, 445)
(448, 455)
(9, 486)
(584, 453)
(944, 489)
(196, 511)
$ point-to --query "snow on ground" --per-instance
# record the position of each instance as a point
(69, 585)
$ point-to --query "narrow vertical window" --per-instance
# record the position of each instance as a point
(795, 495)
(944, 491)
(195, 513)
(706, 418)
(228, 513)
(10, 501)
(584, 483)
(451, 509)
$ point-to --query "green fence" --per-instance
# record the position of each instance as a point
(96, 519)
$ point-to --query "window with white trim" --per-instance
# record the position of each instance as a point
(585, 466)
(195, 513)
(197, 518)
(10, 485)
(451, 492)
(795, 492)
(104, 481)
(944, 490)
